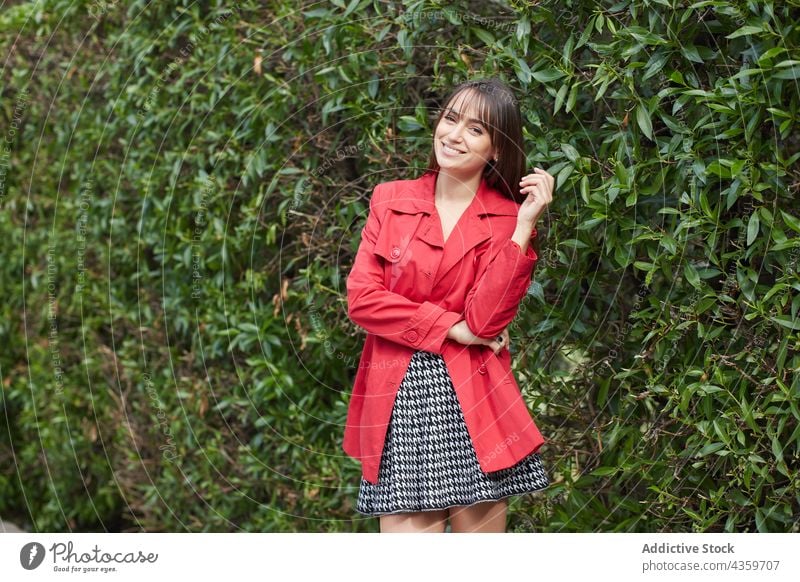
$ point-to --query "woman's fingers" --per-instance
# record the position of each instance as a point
(538, 189)
(538, 181)
(499, 345)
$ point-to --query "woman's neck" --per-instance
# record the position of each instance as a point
(456, 189)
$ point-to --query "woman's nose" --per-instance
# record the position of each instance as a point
(455, 132)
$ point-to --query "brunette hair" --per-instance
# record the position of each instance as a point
(499, 111)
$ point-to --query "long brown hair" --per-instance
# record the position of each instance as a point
(499, 111)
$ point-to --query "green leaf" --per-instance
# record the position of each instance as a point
(709, 389)
(770, 54)
(572, 98)
(604, 471)
(548, 75)
(562, 92)
(690, 52)
(718, 168)
(786, 321)
(692, 276)
(761, 525)
(408, 123)
(643, 119)
(569, 151)
(621, 172)
(752, 228)
(523, 28)
(372, 86)
(485, 36)
(793, 73)
(562, 176)
(589, 224)
(777, 449)
(523, 71)
(710, 448)
(574, 243)
(745, 30)
(792, 221)
(352, 6)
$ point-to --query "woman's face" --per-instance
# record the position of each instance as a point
(461, 142)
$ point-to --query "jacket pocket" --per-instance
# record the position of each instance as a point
(392, 249)
(396, 235)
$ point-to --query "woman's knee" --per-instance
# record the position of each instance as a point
(483, 517)
(415, 522)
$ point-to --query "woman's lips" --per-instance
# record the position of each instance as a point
(451, 151)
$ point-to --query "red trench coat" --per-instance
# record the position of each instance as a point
(406, 289)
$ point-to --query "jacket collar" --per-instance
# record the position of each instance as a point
(418, 196)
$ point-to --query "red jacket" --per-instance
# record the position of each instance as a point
(407, 288)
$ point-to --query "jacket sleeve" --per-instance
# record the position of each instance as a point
(493, 301)
(422, 326)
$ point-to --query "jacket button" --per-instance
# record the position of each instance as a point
(412, 336)
(482, 369)
(395, 252)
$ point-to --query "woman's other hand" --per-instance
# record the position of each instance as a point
(461, 333)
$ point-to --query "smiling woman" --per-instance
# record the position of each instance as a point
(443, 264)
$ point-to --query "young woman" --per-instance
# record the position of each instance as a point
(436, 417)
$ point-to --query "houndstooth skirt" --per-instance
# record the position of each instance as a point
(428, 459)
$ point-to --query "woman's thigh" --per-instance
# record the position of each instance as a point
(484, 517)
(414, 522)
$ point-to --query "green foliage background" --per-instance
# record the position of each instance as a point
(183, 190)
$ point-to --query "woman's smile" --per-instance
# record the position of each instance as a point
(463, 141)
(451, 151)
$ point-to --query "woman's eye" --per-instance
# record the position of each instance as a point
(477, 130)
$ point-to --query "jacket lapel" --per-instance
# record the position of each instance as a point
(473, 227)
(469, 233)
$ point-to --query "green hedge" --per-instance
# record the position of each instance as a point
(182, 195)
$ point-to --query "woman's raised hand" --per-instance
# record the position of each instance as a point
(539, 188)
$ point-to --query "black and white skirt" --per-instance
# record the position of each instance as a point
(428, 459)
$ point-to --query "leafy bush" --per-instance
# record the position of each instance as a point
(183, 191)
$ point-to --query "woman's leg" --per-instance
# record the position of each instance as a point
(483, 517)
(414, 522)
